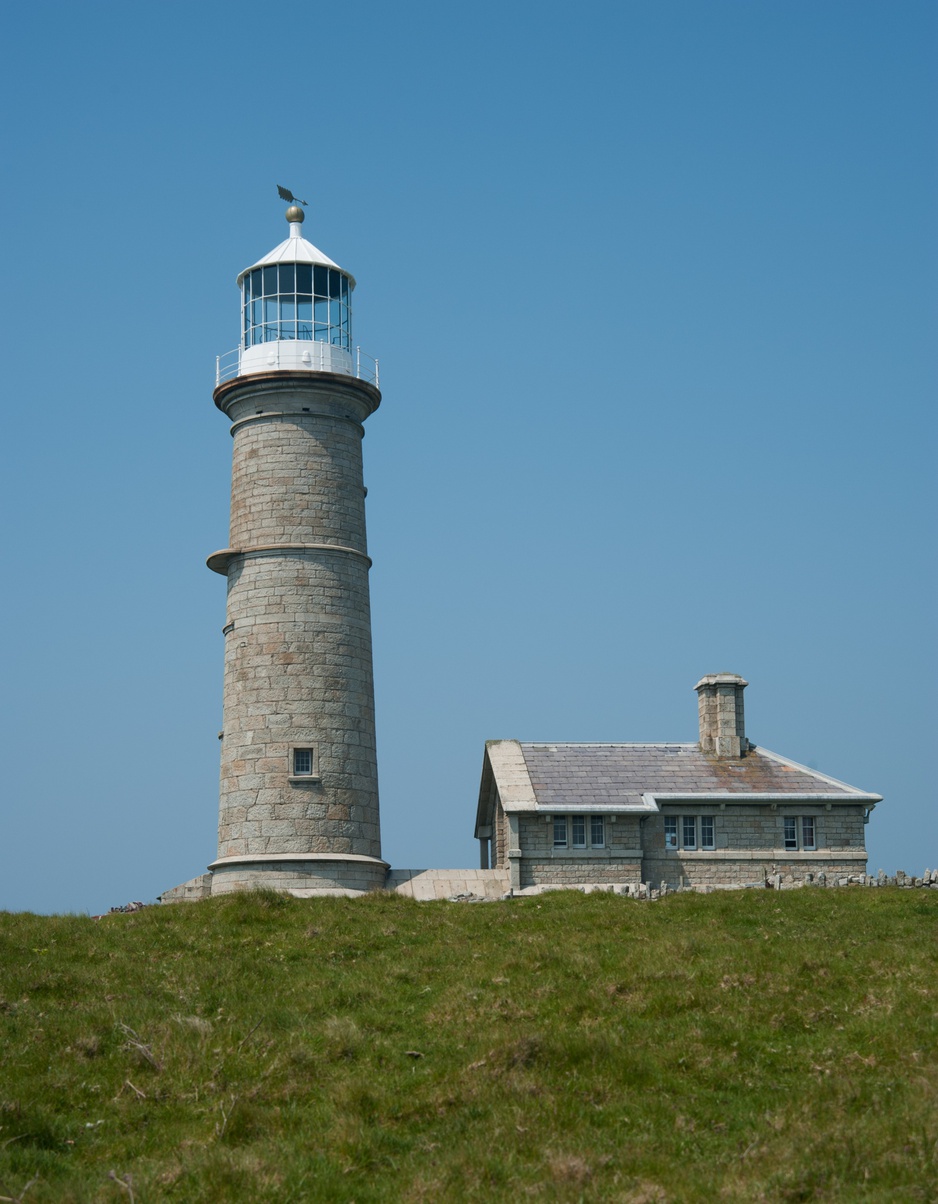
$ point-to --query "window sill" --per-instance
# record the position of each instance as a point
(300, 779)
(777, 855)
(599, 851)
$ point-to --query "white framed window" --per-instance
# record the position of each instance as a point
(579, 832)
(799, 832)
(304, 764)
(707, 840)
(690, 832)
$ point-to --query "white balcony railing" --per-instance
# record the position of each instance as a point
(304, 356)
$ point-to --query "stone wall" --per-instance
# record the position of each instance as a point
(298, 674)
(297, 478)
(448, 884)
(298, 659)
(300, 878)
(499, 837)
(189, 892)
(750, 845)
(543, 865)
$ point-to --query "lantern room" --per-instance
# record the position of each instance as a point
(296, 312)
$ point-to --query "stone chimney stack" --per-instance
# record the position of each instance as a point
(722, 721)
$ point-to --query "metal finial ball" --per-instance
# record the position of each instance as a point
(294, 214)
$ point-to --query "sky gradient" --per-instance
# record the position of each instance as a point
(652, 288)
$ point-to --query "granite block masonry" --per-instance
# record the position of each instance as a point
(298, 805)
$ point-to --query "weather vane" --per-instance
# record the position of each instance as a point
(287, 195)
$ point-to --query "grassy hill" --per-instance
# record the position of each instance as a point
(739, 1046)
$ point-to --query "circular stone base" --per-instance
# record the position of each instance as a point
(304, 879)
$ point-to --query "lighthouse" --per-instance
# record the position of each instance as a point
(298, 799)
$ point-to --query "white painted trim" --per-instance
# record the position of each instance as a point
(779, 798)
(595, 808)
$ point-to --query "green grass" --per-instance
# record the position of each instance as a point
(737, 1046)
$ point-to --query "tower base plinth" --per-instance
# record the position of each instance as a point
(302, 875)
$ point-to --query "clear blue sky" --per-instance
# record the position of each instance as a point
(651, 284)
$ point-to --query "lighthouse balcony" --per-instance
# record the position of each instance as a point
(295, 355)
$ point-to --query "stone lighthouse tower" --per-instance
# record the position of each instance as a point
(298, 806)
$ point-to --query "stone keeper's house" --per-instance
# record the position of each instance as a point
(722, 812)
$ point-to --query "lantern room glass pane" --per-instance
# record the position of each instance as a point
(304, 316)
(296, 301)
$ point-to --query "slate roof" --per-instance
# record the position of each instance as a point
(595, 775)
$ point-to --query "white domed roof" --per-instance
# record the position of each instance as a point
(296, 249)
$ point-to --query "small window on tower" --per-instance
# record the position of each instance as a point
(303, 763)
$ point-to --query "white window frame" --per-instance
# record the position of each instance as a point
(708, 839)
(564, 831)
(690, 833)
(799, 832)
(310, 775)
